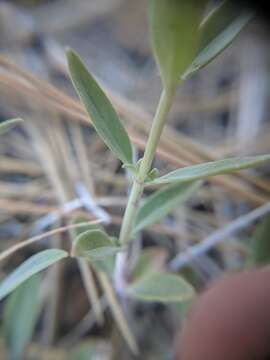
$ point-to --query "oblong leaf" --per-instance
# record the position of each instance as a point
(9, 124)
(213, 168)
(174, 27)
(20, 316)
(30, 267)
(162, 203)
(95, 245)
(99, 108)
(162, 287)
(218, 31)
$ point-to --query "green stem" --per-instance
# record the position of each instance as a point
(150, 149)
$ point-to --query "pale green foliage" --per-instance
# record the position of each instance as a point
(162, 287)
(182, 44)
(205, 170)
(8, 125)
(174, 27)
(161, 203)
(99, 108)
(20, 317)
(217, 32)
(95, 245)
(30, 267)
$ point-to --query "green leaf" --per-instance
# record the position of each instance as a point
(260, 246)
(218, 31)
(161, 203)
(99, 108)
(95, 245)
(150, 260)
(9, 124)
(163, 287)
(174, 27)
(213, 168)
(20, 316)
(30, 267)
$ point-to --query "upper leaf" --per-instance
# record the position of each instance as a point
(99, 108)
(174, 27)
(95, 245)
(30, 267)
(163, 287)
(20, 317)
(162, 203)
(218, 30)
(213, 168)
(9, 124)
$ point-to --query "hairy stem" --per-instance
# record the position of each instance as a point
(150, 149)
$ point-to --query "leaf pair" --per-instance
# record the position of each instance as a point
(182, 183)
(181, 46)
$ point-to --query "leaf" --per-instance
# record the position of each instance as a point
(161, 203)
(30, 267)
(218, 31)
(9, 124)
(163, 287)
(174, 28)
(260, 245)
(95, 245)
(213, 168)
(99, 108)
(150, 260)
(20, 316)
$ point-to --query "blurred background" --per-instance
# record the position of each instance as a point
(53, 163)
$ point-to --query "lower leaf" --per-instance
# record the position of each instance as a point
(31, 266)
(161, 287)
